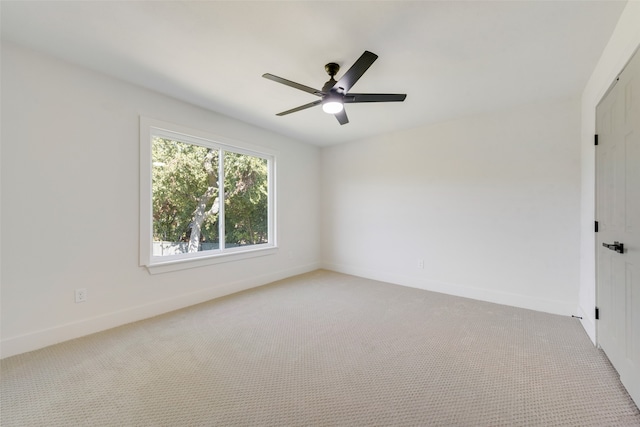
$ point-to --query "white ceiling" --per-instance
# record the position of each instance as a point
(451, 58)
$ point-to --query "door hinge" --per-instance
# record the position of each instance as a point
(596, 227)
(597, 313)
(595, 139)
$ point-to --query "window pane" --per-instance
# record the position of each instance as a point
(246, 204)
(184, 197)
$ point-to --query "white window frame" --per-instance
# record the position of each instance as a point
(161, 264)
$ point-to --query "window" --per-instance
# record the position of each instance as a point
(204, 199)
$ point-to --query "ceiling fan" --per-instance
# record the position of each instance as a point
(335, 94)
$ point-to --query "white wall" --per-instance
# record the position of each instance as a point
(624, 41)
(70, 172)
(490, 203)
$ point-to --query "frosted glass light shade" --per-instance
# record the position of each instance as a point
(332, 107)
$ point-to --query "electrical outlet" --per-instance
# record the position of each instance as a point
(420, 263)
(81, 295)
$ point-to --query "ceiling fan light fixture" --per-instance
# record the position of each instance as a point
(332, 107)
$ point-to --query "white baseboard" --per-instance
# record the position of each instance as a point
(588, 323)
(515, 300)
(57, 334)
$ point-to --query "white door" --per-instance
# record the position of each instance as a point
(618, 237)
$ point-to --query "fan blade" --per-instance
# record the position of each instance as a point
(356, 71)
(292, 84)
(302, 107)
(342, 117)
(374, 97)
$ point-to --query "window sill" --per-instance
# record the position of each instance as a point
(183, 264)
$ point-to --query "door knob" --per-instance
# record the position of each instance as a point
(616, 246)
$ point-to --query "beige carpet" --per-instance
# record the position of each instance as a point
(323, 349)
